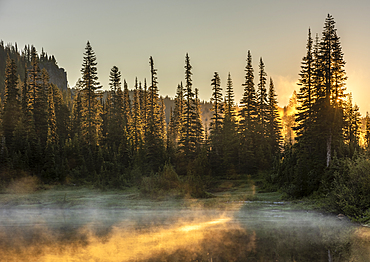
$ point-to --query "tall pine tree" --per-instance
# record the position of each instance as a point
(91, 107)
(273, 119)
(248, 120)
(12, 107)
(187, 135)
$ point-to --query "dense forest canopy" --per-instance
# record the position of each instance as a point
(120, 137)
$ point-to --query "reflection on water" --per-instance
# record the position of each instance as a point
(122, 235)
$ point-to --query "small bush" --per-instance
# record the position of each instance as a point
(194, 185)
(161, 183)
(350, 192)
(23, 185)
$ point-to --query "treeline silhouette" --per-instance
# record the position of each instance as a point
(111, 140)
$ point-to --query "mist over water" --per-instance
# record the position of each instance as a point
(250, 234)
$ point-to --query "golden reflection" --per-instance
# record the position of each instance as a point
(121, 244)
(203, 225)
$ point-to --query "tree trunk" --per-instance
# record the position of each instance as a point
(328, 150)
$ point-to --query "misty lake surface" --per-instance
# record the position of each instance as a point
(257, 231)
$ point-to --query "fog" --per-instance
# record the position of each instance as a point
(256, 232)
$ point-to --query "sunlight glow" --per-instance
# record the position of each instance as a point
(203, 225)
(121, 244)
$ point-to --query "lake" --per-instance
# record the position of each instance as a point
(257, 231)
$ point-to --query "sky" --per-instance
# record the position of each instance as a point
(216, 34)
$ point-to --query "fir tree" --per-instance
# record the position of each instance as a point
(262, 147)
(162, 120)
(306, 97)
(33, 76)
(24, 93)
(171, 133)
(52, 135)
(248, 119)
(262, 100)
(62, 114)
(77, 115)
(331, 59)
(273, 119)
(153, 142)
(320, 123)
(217, 107)
(178, 113)
(216, 139)
(351, 125)
(198, 126)
(229, 100)
(144, 107)
(12, 107)
(41, 108)
(116, 124)
(367, 132)
(91, 119)
(136, 124)
(230, 136)
(114, 80)
(126, 107)
(187, 134)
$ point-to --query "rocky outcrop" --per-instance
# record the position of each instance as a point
(57, 75)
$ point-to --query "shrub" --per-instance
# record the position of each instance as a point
(350, 192)
(164, 181)
(23, 185)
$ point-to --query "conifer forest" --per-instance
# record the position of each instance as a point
(119, 136)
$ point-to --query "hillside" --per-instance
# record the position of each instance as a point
(58, 76)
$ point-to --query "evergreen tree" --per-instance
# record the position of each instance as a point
(91, 108)
(144, 107)
(198, 126)
(24, 133)
(217, 107)
(229, 100)
(216, 139)
(248, 120)
(136, 124)
(52, 135)
(115, 113)
(41, 108)
(77, 115)
(321, 121)
(177, 115)
(24, 93)
(262, 101)
(126, 108)
(162, 120)
(306, 97)
(119, 128)
(332, 62)
(33, 77)
(351, 125)
(62, 114)
(230, 138)
(171, 133)
(112, 107)
(273, 119)
(153, 142)
(367, 132)
(187, 135)
(105, 116)
(114, 80)
(12, 107)
(262, 147)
